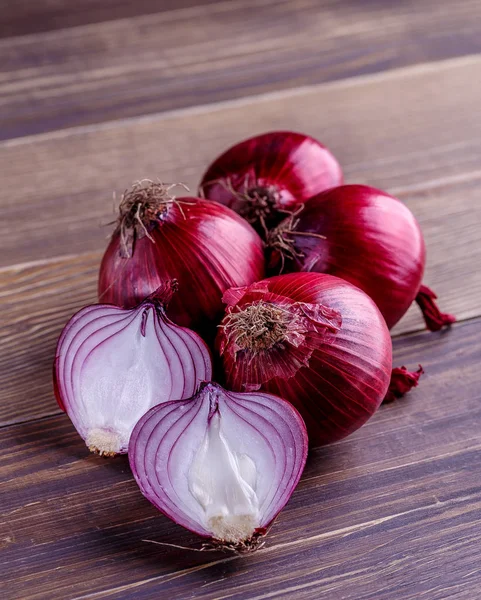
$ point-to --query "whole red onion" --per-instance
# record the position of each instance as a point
(263, 177)
(314, 339)
(221, 464)
(205, 246)
(362, 235)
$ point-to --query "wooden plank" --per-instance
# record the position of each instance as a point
(35, 303)
(205, 54)
(392, 511)
(23, 17)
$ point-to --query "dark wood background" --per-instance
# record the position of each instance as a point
(95, 94)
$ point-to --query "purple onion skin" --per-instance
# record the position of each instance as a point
(369, 238)
(291, 166)
(206, 247)
(168, 438)
(345, 375)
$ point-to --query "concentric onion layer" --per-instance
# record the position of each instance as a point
(366, 237)
(338, 370)
(281, 168)
(221, 464)
(112, 365)
(206, 247)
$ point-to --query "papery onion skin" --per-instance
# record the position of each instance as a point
(257, 427)
(205, 246)
(346, 373)
(106, 355)
(402, 381)
(283, 168)
(369, 238)
(433, 317)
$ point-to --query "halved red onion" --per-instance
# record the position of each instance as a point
(221, 464)
(113, 364)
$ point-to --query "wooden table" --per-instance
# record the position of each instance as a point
(94, 95)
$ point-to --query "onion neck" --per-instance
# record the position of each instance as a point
(259, 204)
(141, 208)
(433, 317)
(266, 336)
(281, 241)
(402, 381)
(281, 244)
(260, 326)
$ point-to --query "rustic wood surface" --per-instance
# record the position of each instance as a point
(90, 94)
(200, 54)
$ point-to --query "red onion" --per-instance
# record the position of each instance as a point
(270, 174)
(317, 341)
(113, 364)
(362, 235)
(368, 238)
(221, 464)
(205, 246)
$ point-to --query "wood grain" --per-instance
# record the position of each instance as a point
(23, 17)
(205, 54)
(35, 303)
(392, 511)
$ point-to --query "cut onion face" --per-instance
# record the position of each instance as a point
(113, 364)
(221, 464)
